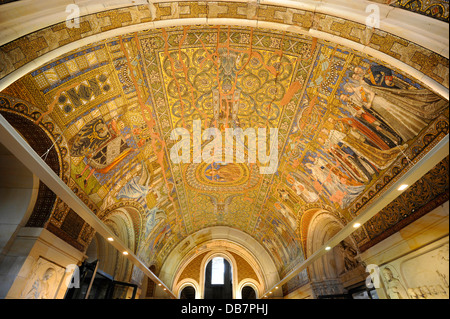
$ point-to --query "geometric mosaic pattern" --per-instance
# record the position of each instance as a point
(20, 51)
(347, 123)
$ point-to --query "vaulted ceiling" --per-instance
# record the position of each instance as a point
(347, 121)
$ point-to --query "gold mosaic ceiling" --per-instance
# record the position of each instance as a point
(343, 120)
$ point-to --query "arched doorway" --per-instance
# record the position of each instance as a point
(218, 279)
(339, 270)
(248, 292)
(190, 266)
(188, 292)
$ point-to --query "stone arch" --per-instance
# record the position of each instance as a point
(251, 283)
(209, 257)
(322, 227)
(111, 260)
(188, 282)
(106, 254)
(433, 39)
(199, 256)
(268, 24)
(234, 240)
(326, 273)
(132, 213)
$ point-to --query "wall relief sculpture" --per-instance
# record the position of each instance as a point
(423, 274)
(45, 281)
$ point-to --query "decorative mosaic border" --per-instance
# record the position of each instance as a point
(436, 9)
(422, 211)
(27, 48)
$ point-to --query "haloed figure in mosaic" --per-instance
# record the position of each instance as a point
(378, 157)
(301, 189)
(329, 180)
(406, 110)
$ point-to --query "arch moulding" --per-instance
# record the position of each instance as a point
(422, 34)
(220, 241)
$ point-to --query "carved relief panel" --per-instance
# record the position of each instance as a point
(422, 274)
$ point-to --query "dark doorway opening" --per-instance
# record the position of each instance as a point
(187, 293)
(248, 293)
(218, 279)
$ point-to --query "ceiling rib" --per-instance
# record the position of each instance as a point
(24, 153)
(425, 164)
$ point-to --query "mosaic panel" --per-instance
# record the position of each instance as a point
(347, 126)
